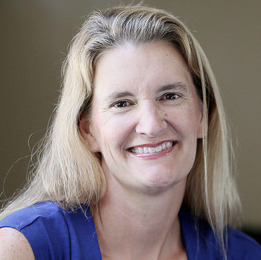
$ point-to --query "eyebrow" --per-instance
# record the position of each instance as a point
(180, 86)
(117, 95)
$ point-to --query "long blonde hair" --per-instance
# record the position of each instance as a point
(68, 173)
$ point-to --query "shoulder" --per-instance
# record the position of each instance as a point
(241, 246)
(27, 216)
(13, 245)
(55, 233)
(28, 230)
(202, 241)
(44, 226)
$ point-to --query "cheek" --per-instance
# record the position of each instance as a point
(186, 123)
(113, 131)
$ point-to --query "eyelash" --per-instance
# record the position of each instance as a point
(169, 96)
(166, 96)
(122, 103)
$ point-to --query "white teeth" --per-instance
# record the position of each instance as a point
(152, 150)
(158, 148)
(140, 150)
(146, 150)
(168, 144)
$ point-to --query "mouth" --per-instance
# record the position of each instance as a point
(148, 149)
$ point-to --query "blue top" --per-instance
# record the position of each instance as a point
(54, 233)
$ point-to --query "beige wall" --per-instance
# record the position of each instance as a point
(34, 36)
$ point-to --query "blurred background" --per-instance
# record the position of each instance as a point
(34, 36)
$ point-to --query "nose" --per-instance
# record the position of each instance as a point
(152, 119)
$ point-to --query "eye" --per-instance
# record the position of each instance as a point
(122, 103)
(170, 96)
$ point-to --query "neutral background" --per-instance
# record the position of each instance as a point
(34, 36)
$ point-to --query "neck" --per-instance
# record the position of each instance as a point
(140, 225)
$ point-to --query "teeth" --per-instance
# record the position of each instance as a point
(168, 144)
(158, 149)
(140, 150)
(152, 150)
(146, 150)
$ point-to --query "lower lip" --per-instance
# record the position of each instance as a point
(152, 156)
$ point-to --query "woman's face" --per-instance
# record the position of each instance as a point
(145, 118)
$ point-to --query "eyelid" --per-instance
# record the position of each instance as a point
(170, 93)
(113, 105)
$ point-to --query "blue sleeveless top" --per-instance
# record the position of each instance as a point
(54, 233)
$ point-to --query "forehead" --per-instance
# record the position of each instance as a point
(150, 64)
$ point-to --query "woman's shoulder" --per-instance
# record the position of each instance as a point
(22, 218)
(45, 212)
(50, 229)
(14, 245)
(201, 240)
(40, 225)
(242, 246)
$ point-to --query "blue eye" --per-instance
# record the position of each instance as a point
(122, 103)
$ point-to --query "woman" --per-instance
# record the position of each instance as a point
(135, 165)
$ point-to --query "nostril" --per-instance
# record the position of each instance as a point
(151, 119)
(151, 126)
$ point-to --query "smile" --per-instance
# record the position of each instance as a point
(152, 149)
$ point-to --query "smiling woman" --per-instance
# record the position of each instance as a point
(135, 165)
(143, 81)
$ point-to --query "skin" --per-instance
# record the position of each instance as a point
(143, 96)
(13, 245)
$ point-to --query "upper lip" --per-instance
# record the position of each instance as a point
(151, 144)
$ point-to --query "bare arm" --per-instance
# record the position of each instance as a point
(14, 245)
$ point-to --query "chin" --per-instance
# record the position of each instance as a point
(162, 181)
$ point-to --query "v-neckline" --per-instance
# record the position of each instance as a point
(188, 231)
